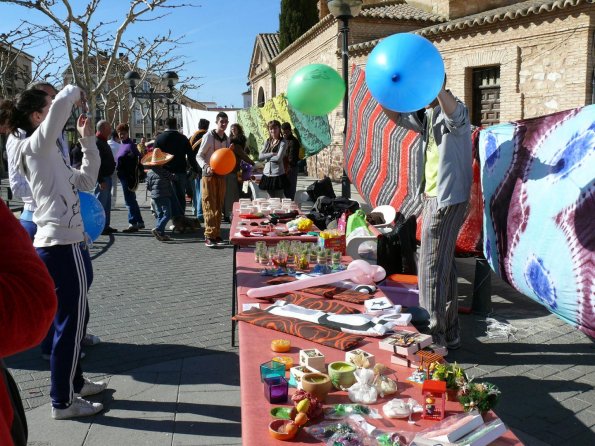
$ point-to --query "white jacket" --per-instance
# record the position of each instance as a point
(54, 184)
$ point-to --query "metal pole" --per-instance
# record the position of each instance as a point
(152, 113)
(345, 183)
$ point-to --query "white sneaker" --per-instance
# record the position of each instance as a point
(90, 339)
(91, 388)
(78, 408)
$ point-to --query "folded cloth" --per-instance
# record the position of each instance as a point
(302, 329)
(316, 303)
(362, 324)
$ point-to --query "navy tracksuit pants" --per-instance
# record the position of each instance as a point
(70, 267)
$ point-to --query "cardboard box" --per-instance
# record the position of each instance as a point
(405, 342)
(336, 244)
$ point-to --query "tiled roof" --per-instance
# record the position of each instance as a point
(399, 10)
(512, 12)
(270, 44)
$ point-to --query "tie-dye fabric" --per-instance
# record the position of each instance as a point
(538, 183)
(314, 132)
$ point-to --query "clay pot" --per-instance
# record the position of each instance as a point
(341, 374)
(318, 384)
(452, 395)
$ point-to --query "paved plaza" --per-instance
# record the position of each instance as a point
(162, 311)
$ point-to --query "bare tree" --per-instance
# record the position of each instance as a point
(84, 39)
(17, 67)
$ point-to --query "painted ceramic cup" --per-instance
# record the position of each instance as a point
(341, 374)
(318, 384)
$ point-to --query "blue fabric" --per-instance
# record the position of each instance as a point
(105, 198)
(197, 197)
(71, 270)
(134, 215)
(29, 226)
(163, 208)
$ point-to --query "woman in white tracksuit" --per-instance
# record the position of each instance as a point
(35, 122)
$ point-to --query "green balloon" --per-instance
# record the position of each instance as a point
(315, 89)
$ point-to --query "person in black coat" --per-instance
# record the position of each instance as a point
(106, 169)
(173, 142)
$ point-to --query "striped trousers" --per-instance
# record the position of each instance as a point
(70, 267)
(437, 272)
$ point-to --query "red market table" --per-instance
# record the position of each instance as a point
(254, 349)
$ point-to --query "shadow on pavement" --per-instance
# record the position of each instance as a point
(110, 358)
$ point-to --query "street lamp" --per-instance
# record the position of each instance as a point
(344, 10)
(169, 79)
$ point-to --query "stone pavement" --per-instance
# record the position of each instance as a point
(162, 312)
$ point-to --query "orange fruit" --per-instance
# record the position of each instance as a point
(280, 345)
(291, 429)
(300, 419)
(284, 360)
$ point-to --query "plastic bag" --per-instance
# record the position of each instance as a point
(363, 391)
(357, 220)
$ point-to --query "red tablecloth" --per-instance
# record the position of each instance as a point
(254, 349)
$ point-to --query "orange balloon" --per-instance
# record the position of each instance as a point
(223, 161)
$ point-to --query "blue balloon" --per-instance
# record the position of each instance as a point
(405, 72)
(93, 215)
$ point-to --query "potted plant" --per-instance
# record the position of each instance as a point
(481, 396)
(454, 376)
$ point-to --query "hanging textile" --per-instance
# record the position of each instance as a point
(538, 183)
(381, 159)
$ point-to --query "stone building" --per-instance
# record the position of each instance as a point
(506, 59)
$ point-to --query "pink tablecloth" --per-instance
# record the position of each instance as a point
(254, 348)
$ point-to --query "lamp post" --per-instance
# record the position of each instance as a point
(344, 10)
(169, 79)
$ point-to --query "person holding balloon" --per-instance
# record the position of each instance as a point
(274, 180)
(232, 185)
(405, 74)
(216, 160)
(59, 240)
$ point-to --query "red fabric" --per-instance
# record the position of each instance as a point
(27, 301)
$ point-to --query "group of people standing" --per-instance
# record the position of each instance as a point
(215, 194)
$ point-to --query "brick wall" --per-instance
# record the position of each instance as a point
(546, 63)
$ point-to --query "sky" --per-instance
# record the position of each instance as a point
(220, 36)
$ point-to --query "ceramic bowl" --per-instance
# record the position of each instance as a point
(318, 384)
(341, 374)
(277, 430)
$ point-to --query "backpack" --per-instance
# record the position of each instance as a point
(320, 188)
(327, 209)
(396, 250)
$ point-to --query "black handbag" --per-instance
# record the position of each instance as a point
(396, 250)
(321, 188)
(18, 430)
